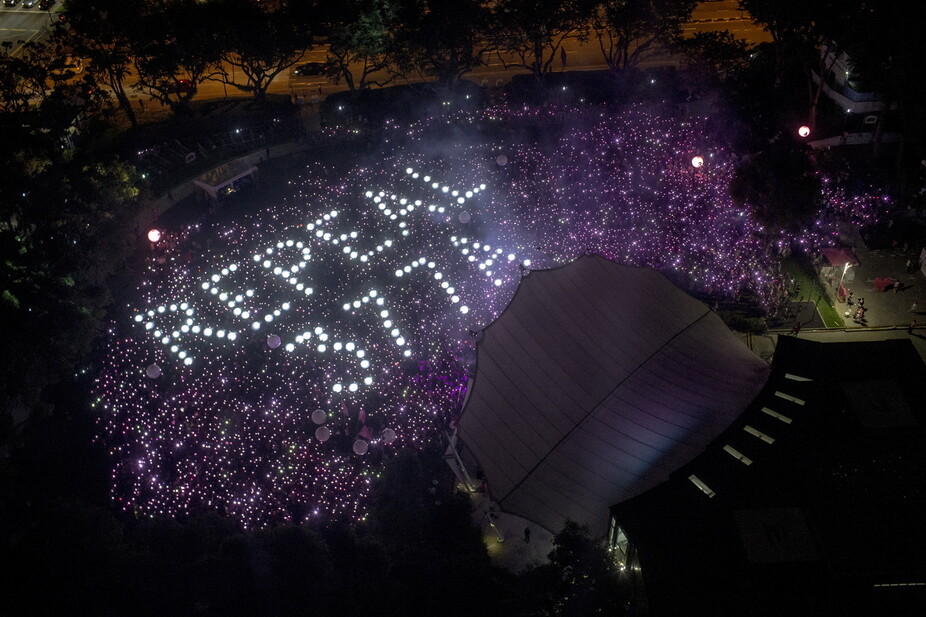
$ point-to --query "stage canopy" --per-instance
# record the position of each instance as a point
(224, 175)
(594, 384)
(839, 257)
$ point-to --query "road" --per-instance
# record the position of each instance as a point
(708, 16)
(726, 15)
(18, 24)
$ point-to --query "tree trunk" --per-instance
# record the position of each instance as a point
(538, 60)
(349, 79)
(779, 59)
(124, 102)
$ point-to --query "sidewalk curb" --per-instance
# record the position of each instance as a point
(787, 331)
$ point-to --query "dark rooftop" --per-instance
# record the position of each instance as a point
(811, 502)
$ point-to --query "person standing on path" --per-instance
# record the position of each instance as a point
(911, 326)
(913, 308)
(527, 534)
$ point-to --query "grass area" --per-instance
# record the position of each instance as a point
(811, 287)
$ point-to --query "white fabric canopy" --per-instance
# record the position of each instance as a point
(594, 384)
(224, 175)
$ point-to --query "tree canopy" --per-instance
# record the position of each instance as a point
(175, 54)
(780, 184)
(260, 44)
(359, 38)
(628, 31)
(534, 30)
(442, 38)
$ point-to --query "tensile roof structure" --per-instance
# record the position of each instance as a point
(596, 383)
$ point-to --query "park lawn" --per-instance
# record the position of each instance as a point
(811, 286)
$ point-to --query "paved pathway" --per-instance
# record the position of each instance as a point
(886, 308)
(503, 534)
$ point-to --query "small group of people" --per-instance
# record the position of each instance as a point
(850, 300)
(860, 313)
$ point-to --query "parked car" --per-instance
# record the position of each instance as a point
(184, 86)
(10, 2)
(28, 4)
(311, 68)
(46, 5)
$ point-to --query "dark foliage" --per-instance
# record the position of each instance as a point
(420, 543)
(781, 185)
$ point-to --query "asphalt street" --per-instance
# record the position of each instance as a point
(18, 25)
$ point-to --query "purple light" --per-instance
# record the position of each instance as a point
(370, 285)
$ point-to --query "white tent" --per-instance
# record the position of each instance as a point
(224, 175)
(594, 384)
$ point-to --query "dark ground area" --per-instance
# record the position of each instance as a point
(804, 313)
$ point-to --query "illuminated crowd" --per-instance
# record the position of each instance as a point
(267, 366)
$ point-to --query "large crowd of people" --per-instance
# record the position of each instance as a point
(267, 375)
